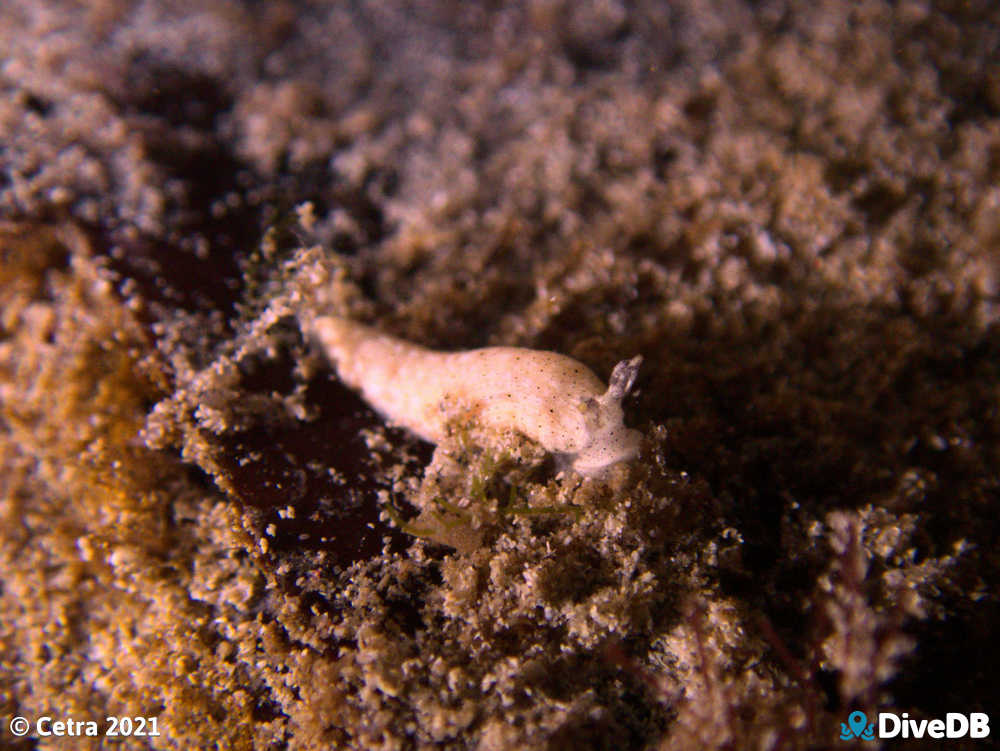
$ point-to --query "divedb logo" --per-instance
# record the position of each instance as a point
(891, 725)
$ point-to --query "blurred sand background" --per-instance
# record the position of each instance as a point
(792, 210)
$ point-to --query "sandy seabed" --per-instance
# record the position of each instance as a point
(791, 210)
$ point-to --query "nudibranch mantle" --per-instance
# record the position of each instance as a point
(547, 397)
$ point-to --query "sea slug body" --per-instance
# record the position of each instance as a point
(545, 396)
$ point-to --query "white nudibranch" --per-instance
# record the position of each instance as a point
(545, 396)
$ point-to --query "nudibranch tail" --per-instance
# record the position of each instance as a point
(404, 382)
(545, 396)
